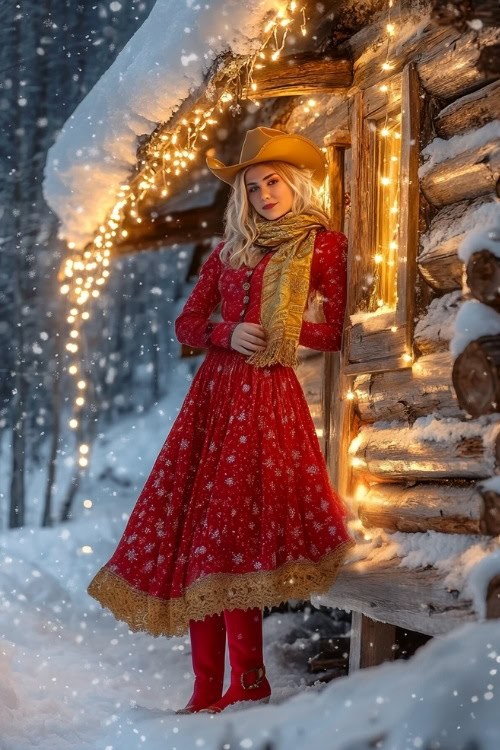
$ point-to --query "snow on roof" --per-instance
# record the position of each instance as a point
(163, 63)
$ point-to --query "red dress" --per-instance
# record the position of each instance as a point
(238, 510)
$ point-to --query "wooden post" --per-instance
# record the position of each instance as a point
(337, 142)
(372, 642)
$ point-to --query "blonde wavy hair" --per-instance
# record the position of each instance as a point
(240, 227)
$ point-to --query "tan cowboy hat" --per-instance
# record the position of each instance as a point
(270, 144)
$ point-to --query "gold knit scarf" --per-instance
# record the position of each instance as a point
(285, 285)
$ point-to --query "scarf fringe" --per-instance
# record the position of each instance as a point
(283, 351)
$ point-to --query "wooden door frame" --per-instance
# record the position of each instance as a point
(383, 341)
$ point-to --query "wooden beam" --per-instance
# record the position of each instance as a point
(438, 262)
(459, 507)
(414, 598)
(179, 227)
(407, 394)
(470, 174)
(304, 74)
(401, 453)
(470, 111)
(409, 201)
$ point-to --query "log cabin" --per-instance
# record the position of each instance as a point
(404, 98)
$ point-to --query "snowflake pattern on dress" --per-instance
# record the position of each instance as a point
(240, 484)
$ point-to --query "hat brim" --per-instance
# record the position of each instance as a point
(291, 148)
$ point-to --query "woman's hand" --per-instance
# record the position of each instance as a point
(248, 338)
(314, 311)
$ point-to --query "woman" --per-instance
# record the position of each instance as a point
(238, 512)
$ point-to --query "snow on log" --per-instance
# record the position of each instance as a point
(466, 166)
(410, 393)
(455, 508)
(470, 111)
(475, 344)
(438, 261)
(434, 331)
(433, 448)
(472, 321)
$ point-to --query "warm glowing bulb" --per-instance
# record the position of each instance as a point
(84, 448)
(79, 401)
(387, 66)
(73, 369)
(87, 503)
(390, 28)
(385, 180)
(350, 395)
(64, 289)
(81, 384)
(385, 132)
(73, 423)
(378, 258)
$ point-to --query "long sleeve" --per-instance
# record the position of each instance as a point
(331, 282)
(193, 326)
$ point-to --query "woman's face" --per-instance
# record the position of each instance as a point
(268, 193)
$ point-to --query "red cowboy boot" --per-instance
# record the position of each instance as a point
(248, 673)
(208, 647)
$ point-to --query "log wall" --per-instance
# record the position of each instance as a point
(413, 484)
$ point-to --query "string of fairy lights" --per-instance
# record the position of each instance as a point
(168, 155)
(384, 295)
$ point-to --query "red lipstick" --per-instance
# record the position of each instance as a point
(269, 205)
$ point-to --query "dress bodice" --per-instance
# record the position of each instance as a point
(219, 283)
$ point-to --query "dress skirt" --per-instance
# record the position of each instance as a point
(238, 510)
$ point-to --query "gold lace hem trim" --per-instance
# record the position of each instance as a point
(215, 592)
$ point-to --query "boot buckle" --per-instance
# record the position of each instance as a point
(259, 671)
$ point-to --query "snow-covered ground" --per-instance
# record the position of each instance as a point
(75, 678)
